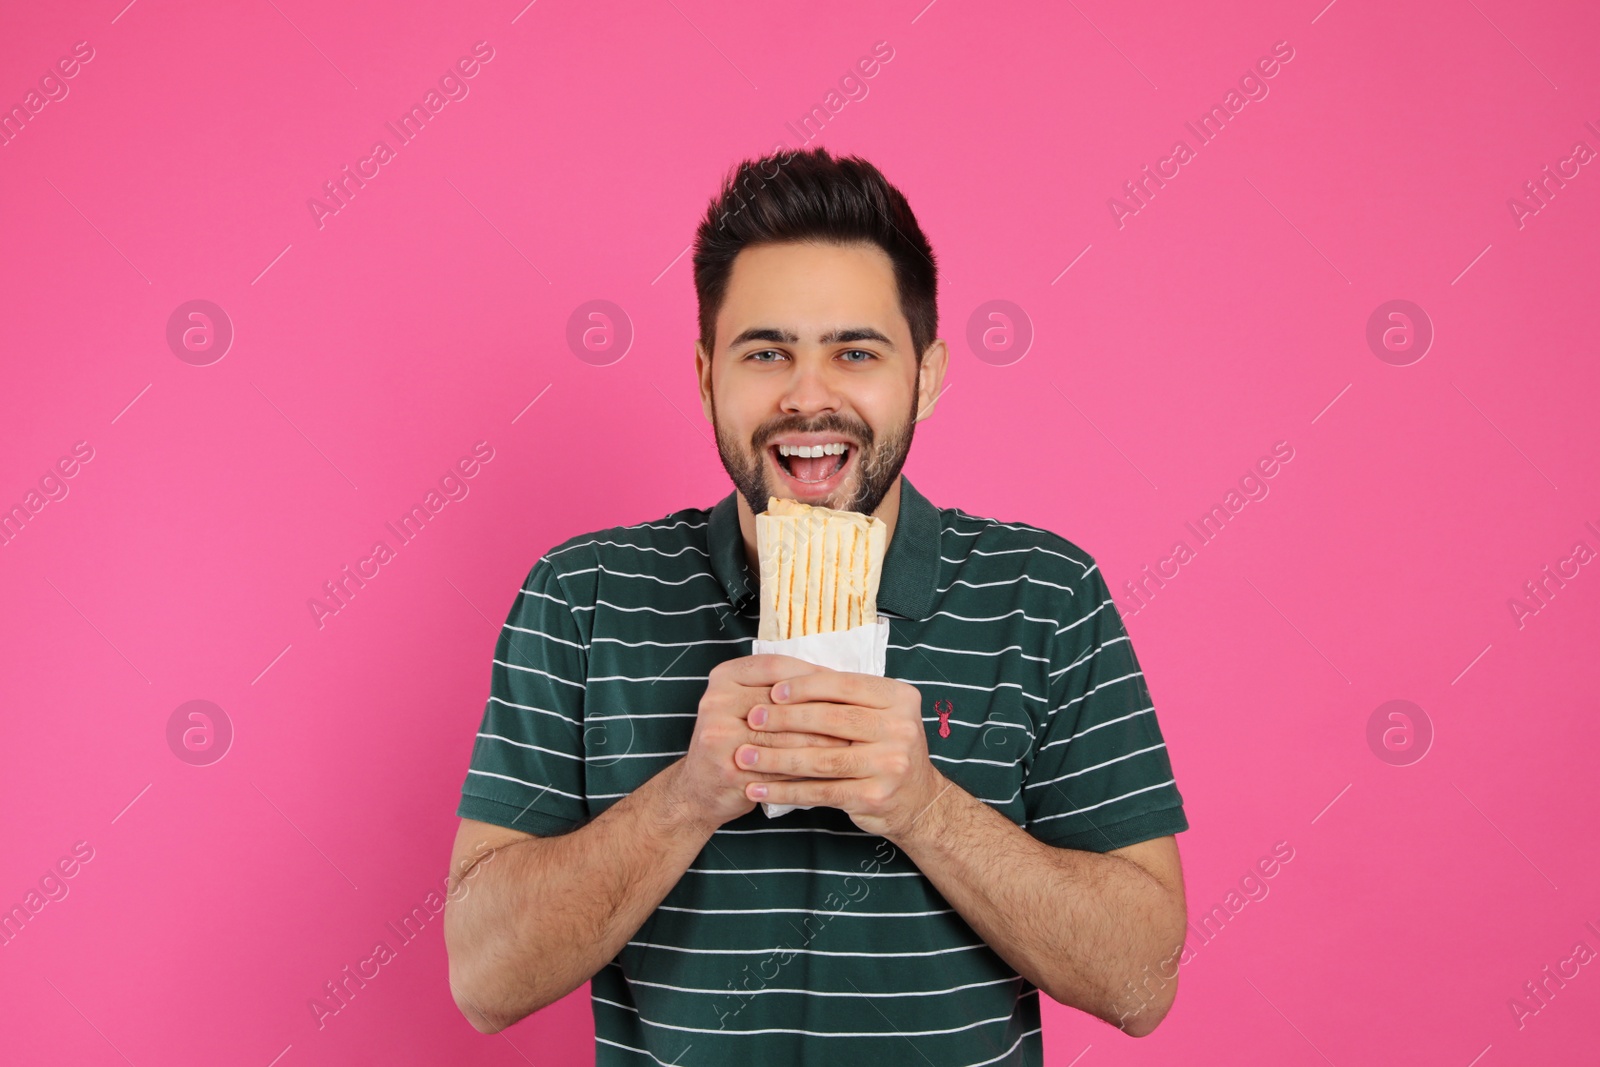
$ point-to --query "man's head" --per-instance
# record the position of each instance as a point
(818, 310)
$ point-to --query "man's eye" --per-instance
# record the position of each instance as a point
(756, 355)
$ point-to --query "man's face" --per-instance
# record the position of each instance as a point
(813, 349)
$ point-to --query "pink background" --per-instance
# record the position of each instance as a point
(371, 353)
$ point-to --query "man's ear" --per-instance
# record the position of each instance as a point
(930, 378)
(702, 372)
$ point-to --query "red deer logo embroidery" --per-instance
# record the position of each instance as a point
(944, 708)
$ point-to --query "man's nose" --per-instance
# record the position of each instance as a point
(812, 387)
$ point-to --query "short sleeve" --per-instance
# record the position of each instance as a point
(527, 769)
(1100, 778)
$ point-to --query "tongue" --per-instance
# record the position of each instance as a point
(809, 469)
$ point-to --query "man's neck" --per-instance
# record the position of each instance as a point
(888, 511)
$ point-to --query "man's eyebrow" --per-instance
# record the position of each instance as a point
(854, 333)
(776, 335)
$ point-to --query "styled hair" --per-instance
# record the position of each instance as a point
(811, 196)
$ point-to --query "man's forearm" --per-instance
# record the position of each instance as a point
(1079, 925)
(541, 919)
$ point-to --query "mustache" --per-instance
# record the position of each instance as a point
(862, 433)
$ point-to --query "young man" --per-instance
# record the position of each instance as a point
(992, 819)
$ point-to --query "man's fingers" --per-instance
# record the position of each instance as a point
(809, 792)
(852, 722)
(768, 669)
(808, 762)
(774, 776)
(842, 687)
(793, 739)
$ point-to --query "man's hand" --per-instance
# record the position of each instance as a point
(710, 787)
(884, 779)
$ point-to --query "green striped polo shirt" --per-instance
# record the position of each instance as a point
(802, 939)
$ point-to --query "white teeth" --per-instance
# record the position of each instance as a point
(813, 451)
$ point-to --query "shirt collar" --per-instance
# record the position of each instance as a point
(910, 574)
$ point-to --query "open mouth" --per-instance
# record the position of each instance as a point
(815, 468)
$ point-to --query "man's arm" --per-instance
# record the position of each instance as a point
(1096, 931)
(530, 921)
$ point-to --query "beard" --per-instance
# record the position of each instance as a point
(877, 463)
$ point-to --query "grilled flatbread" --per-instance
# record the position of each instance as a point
(820, 569)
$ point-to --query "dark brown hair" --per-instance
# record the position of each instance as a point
(812, 196)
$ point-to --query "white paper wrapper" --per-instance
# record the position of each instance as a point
(861, 650)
